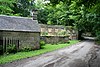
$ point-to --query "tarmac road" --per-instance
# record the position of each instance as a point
(83, 54)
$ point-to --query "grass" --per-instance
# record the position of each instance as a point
(21, 55)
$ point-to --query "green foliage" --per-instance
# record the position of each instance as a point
(42, 16)
(42, 43)
(16, 7)
(6, 6)
(23, 7)
(49, 22)
(85, 14)
(44, 33)
(56, 15)
(11, 48)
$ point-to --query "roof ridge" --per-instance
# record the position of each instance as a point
(17, 17)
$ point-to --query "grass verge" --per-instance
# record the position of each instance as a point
(21, 55)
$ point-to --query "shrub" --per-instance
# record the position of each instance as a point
(42, 43)
(11, 48)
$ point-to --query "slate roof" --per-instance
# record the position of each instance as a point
(13, 23)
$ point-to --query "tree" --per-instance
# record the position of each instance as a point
(5, 6)
(16, 7)
(56, 15)
(94, 15)
(23, 7)
(85, 13)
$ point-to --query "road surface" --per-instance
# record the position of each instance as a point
(83, 54)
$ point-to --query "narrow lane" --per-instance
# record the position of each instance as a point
(73, 56)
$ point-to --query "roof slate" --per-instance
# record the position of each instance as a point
(13, 23)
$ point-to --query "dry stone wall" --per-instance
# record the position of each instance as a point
(57, 30)
(54, 39)
(57, 33)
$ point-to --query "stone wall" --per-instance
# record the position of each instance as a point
(52, 30)
(21, 39)
(58, 30)
(54, 39)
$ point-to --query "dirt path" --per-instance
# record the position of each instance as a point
(84, 54)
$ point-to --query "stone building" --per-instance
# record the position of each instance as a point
(21, 31)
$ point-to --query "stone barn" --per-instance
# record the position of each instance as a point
(21, 31)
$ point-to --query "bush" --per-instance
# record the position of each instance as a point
(42, 43)
(11, 48)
